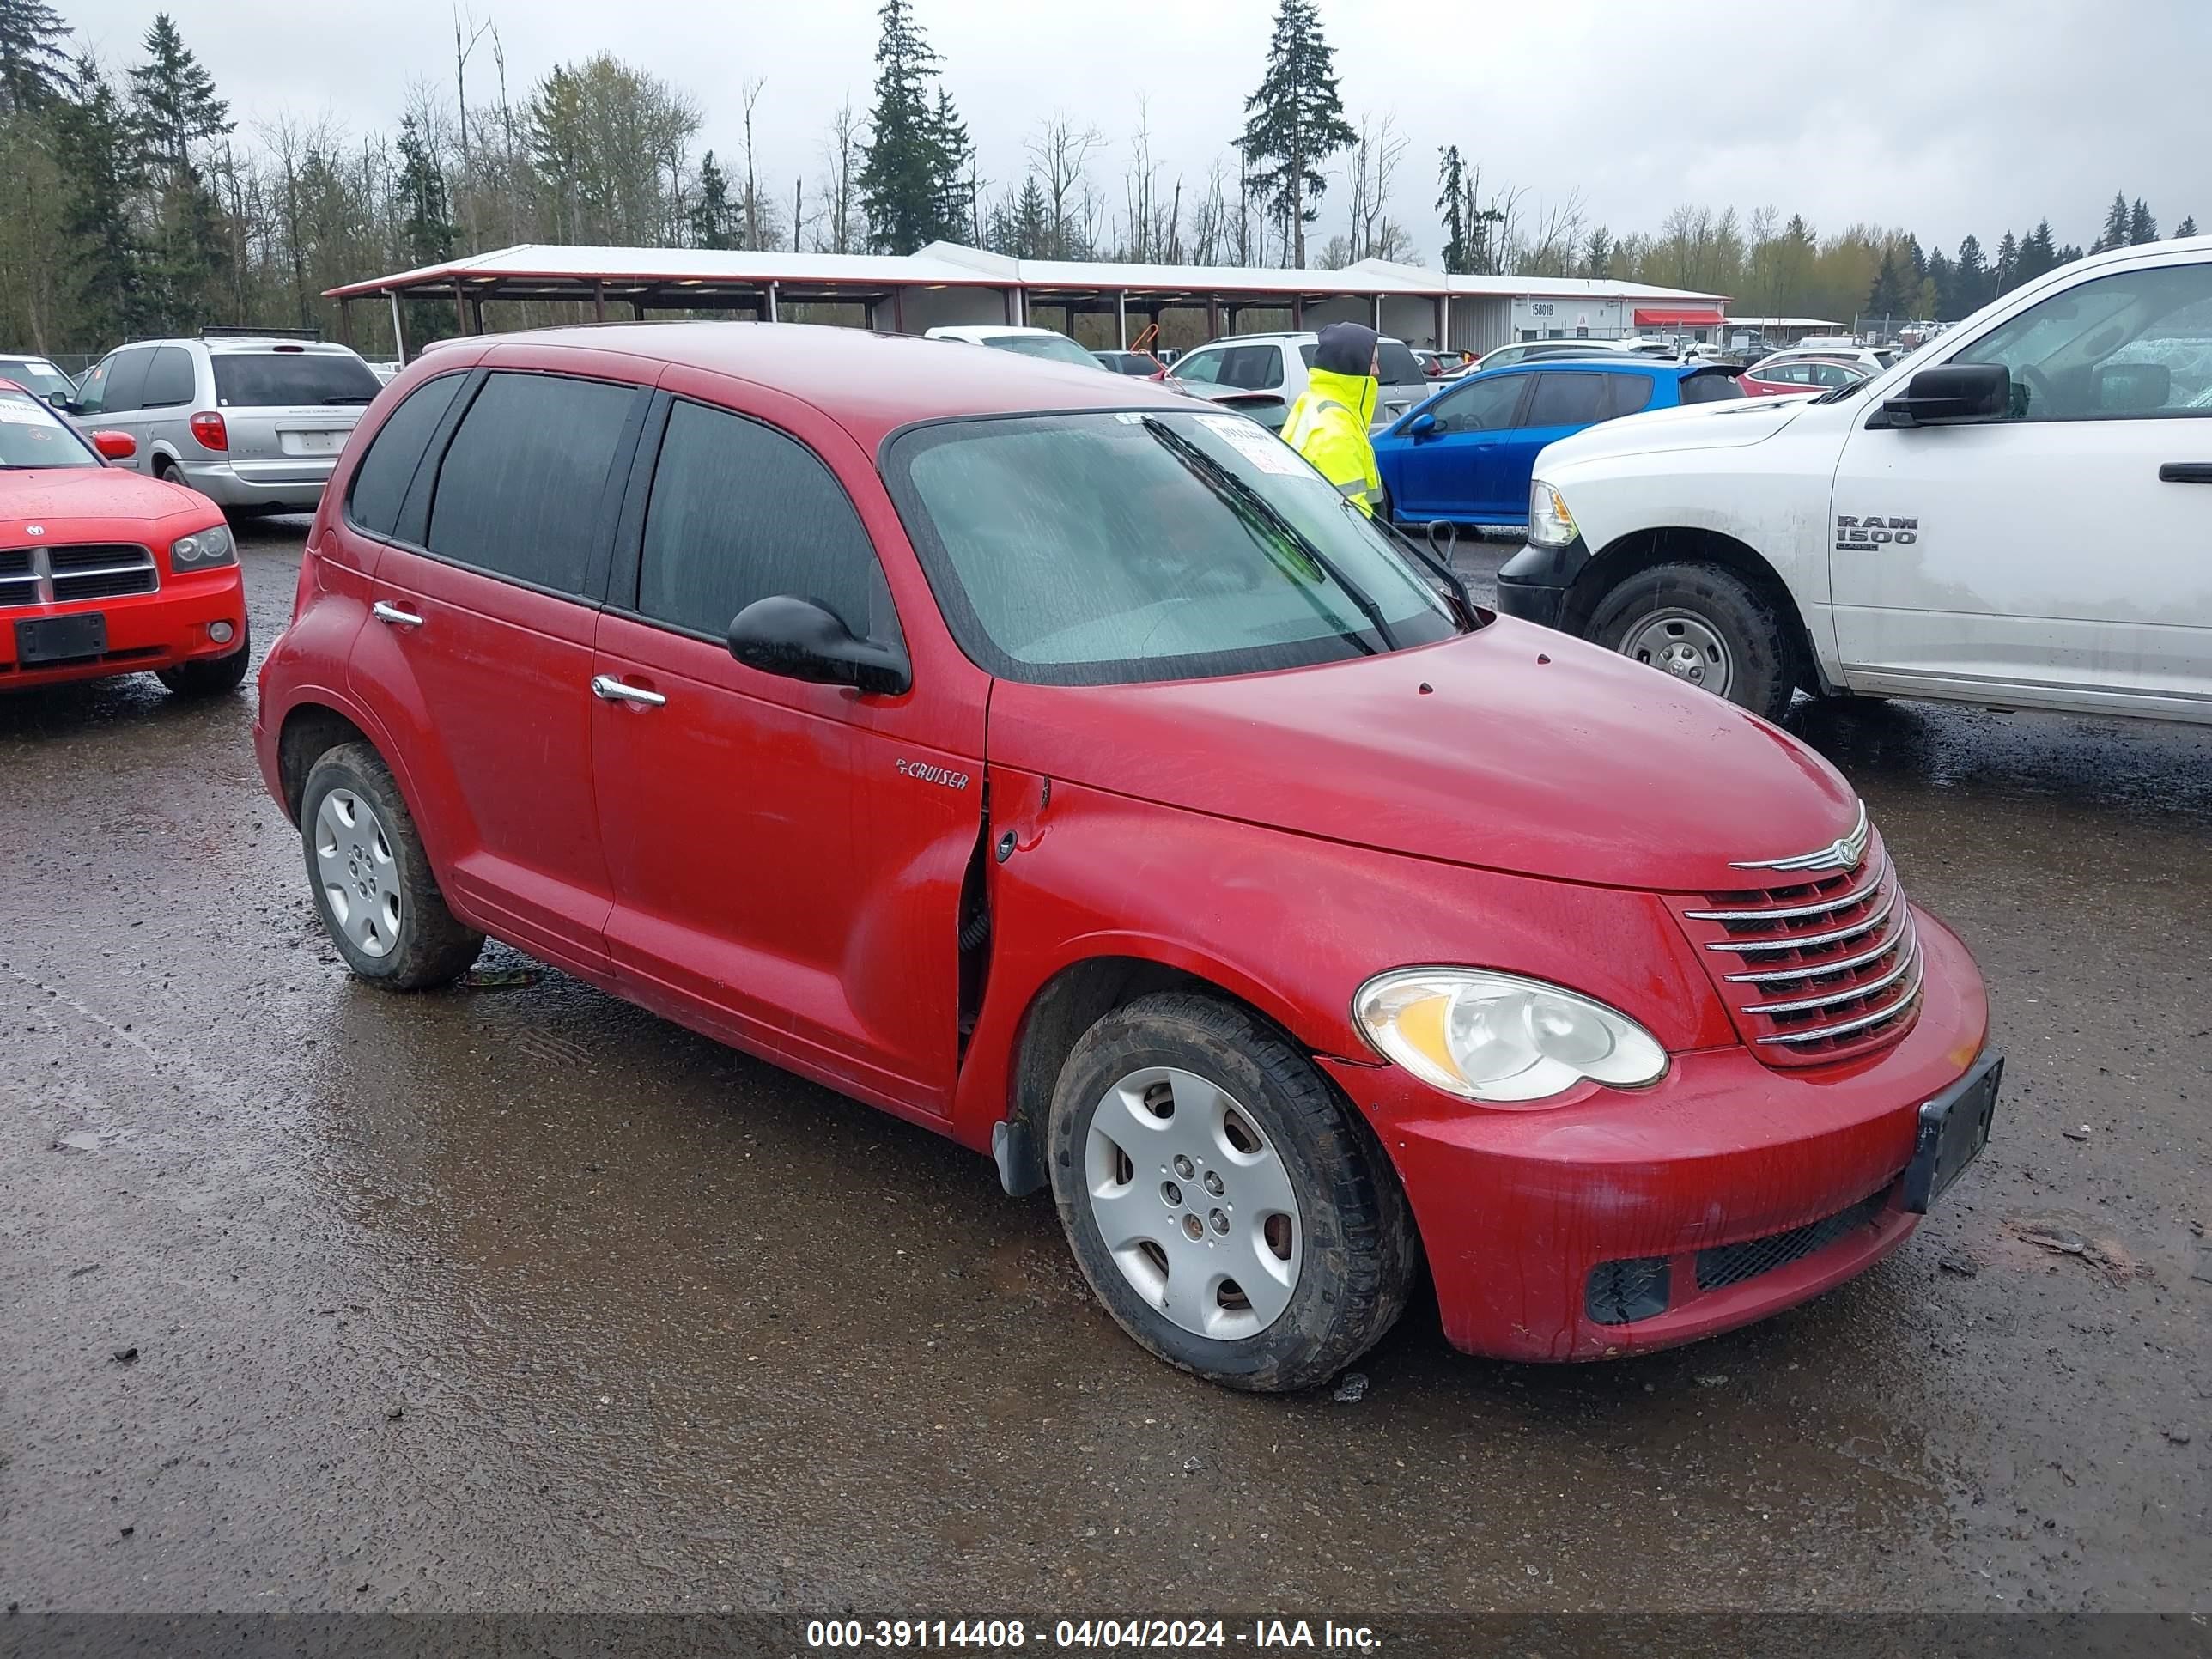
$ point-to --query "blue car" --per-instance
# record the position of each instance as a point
(1465, 454)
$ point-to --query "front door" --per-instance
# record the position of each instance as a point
(787, 858)
(2058, 555)
(1452, 471)
(480, 655)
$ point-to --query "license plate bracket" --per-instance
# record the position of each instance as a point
(1955, 1127)
(61, 639)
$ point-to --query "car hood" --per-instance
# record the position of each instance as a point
(77, 495)
(1728, 425)
(1513, 748)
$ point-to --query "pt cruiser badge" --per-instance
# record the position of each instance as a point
(928, 774)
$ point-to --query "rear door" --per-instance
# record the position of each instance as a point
(1562, 403)
(788, 857)
(1449, 471)
(478, 656)
(166, 405)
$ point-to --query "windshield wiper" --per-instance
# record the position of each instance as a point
(1250, 503)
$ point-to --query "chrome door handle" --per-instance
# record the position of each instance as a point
(392, 614)
(608, 688)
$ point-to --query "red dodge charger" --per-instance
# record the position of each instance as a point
(1065, 767)
(104, 572)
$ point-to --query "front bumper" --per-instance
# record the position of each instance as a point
(1533, 584)
(291, 485)
(145, 631)
(1518, 1209)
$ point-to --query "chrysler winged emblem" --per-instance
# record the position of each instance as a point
(1842, 854)
(35, 530)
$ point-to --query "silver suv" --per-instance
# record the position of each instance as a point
(252, 418)
(1263, 374)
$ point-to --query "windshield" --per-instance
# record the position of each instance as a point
(1056, 347)
(32, 435)
(1112, 547)
(38, 374)
(263, 379)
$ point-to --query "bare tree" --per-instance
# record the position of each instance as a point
(464, 23)
(1062, 155)
(750, 94)
(841, 149)
(1374, 160)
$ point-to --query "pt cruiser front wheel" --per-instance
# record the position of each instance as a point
(1231, 1215)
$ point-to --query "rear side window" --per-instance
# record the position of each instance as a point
(1398, 363)
(1568, 400)
(520, 490)
(380, 483)
(169, 379)
(1630, 392)
(1252, 368)
(263, 379)
(739, 512)
(1714, 388)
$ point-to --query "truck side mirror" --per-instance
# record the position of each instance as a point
(1956, 394)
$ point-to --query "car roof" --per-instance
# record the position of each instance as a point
(870, 383)
(235, 343)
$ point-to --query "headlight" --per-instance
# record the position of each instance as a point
(1497, 1037)
(202, 549)
(1550, 524)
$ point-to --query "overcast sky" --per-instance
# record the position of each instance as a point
(1939, 115)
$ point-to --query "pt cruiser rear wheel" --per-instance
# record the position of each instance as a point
(1222, 1205)
(373, 886)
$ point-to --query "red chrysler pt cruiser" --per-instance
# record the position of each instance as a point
(1068, 770)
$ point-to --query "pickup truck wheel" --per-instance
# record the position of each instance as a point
(1224, 1206)
(1705, 625)
(372, 882)
(209, 677)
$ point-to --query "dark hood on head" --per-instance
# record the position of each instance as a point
(1345, 349)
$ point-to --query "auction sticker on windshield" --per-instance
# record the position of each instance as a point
(1256, 444)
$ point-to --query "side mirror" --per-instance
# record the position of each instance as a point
(61, 400)
(800, 640)
(116, 446)
(1957, 394)
(1423, 425)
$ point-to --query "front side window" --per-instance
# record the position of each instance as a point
(520, 490)
(265, 379)
(1107, 548)
(740, 512)
(2134, 345)
(32, 436)
(126, 379)
(92, 392)
(1482, 405)
(381, 482)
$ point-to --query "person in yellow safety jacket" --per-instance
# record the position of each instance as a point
(1328, 425)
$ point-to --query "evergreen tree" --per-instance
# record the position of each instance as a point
(1032, 222)
(904, 166)
(99, 153)
(35, 71)
(1888, 298)
(1970, 280)
(712, 214)
(1597, 253)
(1452, 203)
(1293, 121)
(2142, 228)
(2036, 254)
(949, 153)
(2007, 267)
(1943, 280)
(2187, 226)
(426, 229)
(173, 98)
(2115, 233)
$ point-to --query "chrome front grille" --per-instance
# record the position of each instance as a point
(80, 570)
(1826, 969)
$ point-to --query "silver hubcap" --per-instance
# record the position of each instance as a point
(359, 879)
(1685, 645)
(1193, 1203)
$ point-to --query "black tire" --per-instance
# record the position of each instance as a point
(212, 677)
(1761, 659)
(430, 947)
(1358, 1252)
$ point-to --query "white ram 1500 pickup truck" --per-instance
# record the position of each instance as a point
(2018, 515)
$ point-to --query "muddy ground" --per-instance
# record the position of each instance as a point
(519, 1298)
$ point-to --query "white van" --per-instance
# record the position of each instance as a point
(2018, 515)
